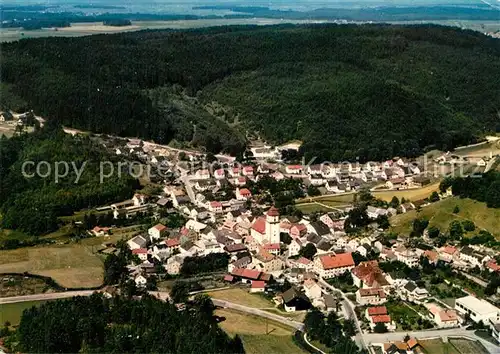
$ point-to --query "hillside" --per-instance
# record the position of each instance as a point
(371, 91)
(441, 214)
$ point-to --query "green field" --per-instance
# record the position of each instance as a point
(436, 346)
(440, 214)
(242, 297)
(252, 330)
(13, 312)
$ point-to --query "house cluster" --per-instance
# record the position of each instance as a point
(345, 177)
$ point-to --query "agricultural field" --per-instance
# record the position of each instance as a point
(437, 346)
(441, 214)
(252, 330)
(408, 194)
(242, 297)
(13, 312)
(19, 285)
(465, 346)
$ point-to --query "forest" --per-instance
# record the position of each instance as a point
(122, 325)
(347, 91)
(32, 205)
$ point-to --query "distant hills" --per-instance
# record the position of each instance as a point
(347, 91)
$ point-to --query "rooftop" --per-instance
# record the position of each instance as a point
(481, 307)
(337, 261)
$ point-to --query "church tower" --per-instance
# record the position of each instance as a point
(273, 225)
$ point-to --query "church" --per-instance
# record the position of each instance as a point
(266, 229)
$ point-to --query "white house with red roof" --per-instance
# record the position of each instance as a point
(158, 231)
(248, 171)
(267, 229)
(243, 194)
(101, 231)
(378, 314)
(273, 248)
(142, 253)
(332, 265)
(219, 174)
(293, 169)
(258, 286)
(215, 207)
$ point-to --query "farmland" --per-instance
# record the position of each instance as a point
(436, 346)
(252, 330)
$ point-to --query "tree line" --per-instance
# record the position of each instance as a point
(122, 325)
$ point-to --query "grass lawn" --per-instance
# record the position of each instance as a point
(401, 313)
(13, 312)
(252, 330)
(440, 214)
(437, 346)
(241, 297)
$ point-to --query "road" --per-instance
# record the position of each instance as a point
(351, 314)
(453, 332)
(46, 296)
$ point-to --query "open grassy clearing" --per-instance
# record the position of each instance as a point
(252, 330)
(19, 285)
(242, 297)
(437, 346)
(440, 214)
(13, 312)
(309, 208)
(71, 265)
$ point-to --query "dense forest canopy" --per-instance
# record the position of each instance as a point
(367, 91)
(33, 204)
(96, 324)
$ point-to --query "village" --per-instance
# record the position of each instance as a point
(302, 261)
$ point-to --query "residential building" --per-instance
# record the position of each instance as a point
(369, 275)
(311, 289)
(379, 314)
(142, 253)
(140, 281)
(332, 265)
(258, 286)
(294, 247)
(158, 231)
(373, 296)
(447, 318)
(294, 300)
(293, 169)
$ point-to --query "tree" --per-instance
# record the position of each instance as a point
(468, 225)
(308, 251)
(285, 238)
(380, 328)
(313, 191)
(455, 230)
(394, 202)
(179, 292)
(434, 197)
(433, 232)
(383, 222)
(456, 209)
(349, 327)
(419, 225)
